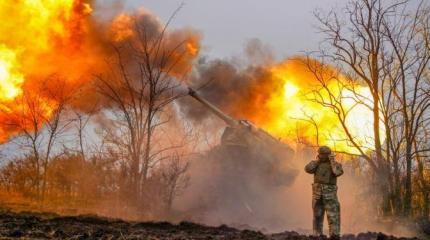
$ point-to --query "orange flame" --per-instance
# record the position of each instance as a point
(39, 38)
(290, 114)
(10, 78)
(44, 38)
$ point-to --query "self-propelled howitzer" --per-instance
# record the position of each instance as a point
(243, 142)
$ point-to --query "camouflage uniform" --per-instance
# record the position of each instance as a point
(324, 191)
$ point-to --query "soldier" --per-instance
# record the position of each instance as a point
(324, 191)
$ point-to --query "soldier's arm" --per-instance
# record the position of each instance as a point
(336, 168)
(311, 167)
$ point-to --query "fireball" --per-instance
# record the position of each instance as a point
(294, 111)
(53, 47)
(11, 78)
(39, 38)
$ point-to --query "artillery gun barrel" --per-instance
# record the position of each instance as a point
(230, 121)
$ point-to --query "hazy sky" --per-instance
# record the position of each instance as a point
(285, 25)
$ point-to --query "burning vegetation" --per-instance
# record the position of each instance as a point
(95, 118)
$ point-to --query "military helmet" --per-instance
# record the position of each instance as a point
(324, 150)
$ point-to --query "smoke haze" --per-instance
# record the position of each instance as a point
(223, 189)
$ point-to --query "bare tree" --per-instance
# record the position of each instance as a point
(82, 120)
(138, 90)
(330, 93)
(174, 178)
(357, 46)
(40, 120)
(383, 46)
(406, 63)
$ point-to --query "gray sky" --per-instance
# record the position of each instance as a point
(285, 25)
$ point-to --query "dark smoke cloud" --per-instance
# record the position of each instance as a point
(258, 53)
(231, 88)
(238, 86)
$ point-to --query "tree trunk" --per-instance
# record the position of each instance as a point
(376, 129)
(397, 186)
(407, 204)
(423, 184)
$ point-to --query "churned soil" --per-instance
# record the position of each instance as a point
(51, 226)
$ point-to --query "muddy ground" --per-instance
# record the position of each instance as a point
(51, 226)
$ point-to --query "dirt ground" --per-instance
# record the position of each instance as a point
(51, 226)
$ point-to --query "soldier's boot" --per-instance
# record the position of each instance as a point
(318, 209)
(333, 216)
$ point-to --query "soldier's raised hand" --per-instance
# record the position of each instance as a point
(336, 167)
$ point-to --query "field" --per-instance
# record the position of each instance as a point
(26, 225)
